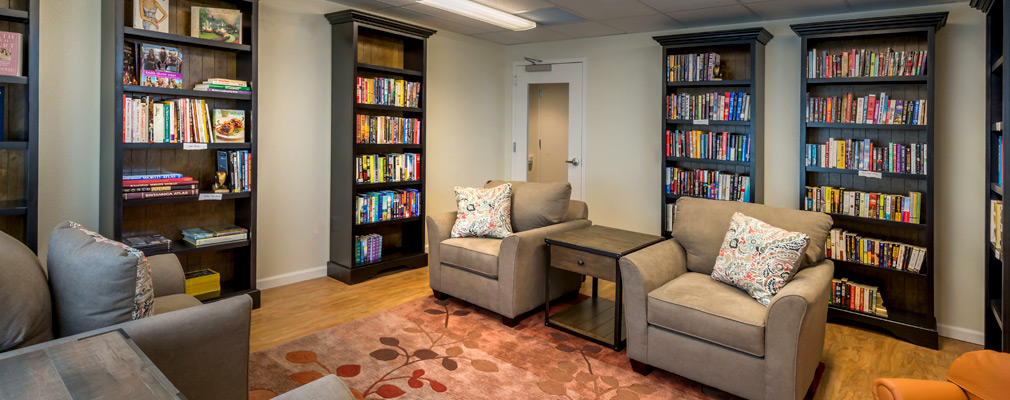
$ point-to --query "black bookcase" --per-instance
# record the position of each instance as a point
(742, 55)
(908, 296)
(202, 59)
(19, 144)
(997, 88)
(371, 46)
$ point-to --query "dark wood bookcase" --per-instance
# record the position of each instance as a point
(997, 89)
(370, 46)
(202, 59)
(908, 296)
(742, 55)
(19, 144)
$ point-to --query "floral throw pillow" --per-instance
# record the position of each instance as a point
(483, 212)
(757, 257)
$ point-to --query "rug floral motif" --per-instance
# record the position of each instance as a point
(447, 349)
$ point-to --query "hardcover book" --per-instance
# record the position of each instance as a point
(229, 126)
(129, 63)
(151, 15)
(10, 53)
(218, 24)
(160, 66)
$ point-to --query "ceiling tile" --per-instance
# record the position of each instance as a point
(364, 5)
(427, 20)
(602, 9)
(714, 16)
(538, 34)
(498, 37)
(398, 2)
(453, 17)
(870, 5)
(644, 23)
(779, 9)
(586, 29)
(679, 5)
(515, 6)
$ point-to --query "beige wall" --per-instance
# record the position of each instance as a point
(623, 125)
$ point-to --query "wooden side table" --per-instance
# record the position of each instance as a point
(593, 251)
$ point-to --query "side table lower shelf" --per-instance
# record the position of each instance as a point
(590, 318)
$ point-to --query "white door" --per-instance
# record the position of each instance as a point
(542, 158)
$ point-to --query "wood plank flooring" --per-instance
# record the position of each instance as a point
(854, 357)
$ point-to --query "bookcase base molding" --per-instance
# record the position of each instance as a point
(357, 274)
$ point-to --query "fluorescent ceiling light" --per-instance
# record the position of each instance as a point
(481, 12)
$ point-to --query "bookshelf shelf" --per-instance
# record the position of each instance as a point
(185, 93)
(856, 172)
(390, 70)
(368, 46)
(19, 127)
(706, 161)
(997, 91)
(737, 82)
(202, 60)
(908, 296)
(695, 123)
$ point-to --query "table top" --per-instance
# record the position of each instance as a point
(107, 366)
(611, 242)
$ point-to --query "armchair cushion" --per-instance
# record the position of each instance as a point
(757, 257)
(26, 318)
(174, 302)
(483, 212)
(695, 305)
(536, 205)
(476, 255)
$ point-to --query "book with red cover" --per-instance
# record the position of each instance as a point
(158, 182)
(153, 195)
(158, 188)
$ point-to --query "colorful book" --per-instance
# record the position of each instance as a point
(154, 195)
(229, 126)
(151, 15)
(157, 188)
(129, 63)
(160, 66)
(214, 86)
(10, 53)
(159, 182)
(143, 175)
(218, 24)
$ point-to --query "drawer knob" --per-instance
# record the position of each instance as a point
(582, 262)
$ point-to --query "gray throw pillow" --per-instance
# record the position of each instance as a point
(96, 282)
(26, 316)
(536, 205)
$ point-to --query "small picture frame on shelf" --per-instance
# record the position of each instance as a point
(151, 15)
(217, 24)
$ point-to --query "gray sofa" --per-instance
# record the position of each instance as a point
(681, 320)
(507, 276)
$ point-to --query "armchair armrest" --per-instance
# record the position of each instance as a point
(914, 389)
(439, 227)
(794, 330)
(167, 275)
(642, 272)
(522, 268)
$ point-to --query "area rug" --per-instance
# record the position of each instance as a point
(435, 349)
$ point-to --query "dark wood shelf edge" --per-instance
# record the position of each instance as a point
(710, 122)
(995, 307)
(387, 222)
(14, 145)
(707, 161)
(391, 70)
(918, 335)
(184, 40)
(855, 265)
(878, 221)
(837, 125)
(869, 80)
(387, 108)
(185, 92)
(897, 175)
(183, 199)
(383, 185)
(732, 82)
(360, 273)
(10, 14)
(997, 64)
(179, 146)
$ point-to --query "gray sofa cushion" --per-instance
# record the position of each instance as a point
(96, 282)
(701, 227)
(476, 255)
(26, 316)
(695, 305)
(536, 205)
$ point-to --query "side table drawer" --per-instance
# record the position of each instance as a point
(582, 262)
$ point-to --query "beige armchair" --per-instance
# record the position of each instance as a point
(507, 276)
(681, 320)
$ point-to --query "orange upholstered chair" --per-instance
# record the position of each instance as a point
(976, 375)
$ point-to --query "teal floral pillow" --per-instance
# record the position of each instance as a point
(757, 257)
(483, 212)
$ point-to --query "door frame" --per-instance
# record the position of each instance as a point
(520, 114)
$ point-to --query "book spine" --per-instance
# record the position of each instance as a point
(151, 195)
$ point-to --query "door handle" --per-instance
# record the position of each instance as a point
(573, 161)
(529, 162)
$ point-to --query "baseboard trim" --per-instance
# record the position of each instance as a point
(962, 334)
(291, 277)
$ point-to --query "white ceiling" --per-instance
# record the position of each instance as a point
(614, 17)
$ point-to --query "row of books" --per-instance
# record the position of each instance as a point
(864, 156)
(387, 205)
(857, 297)
(179, 121)
(889, 207)
(996, 223)
(692, 67)
(869, 109)
(142, 184)
(728, 106)
(149, 244)
(865, 62)
(388, 130)
(388, 92)
(723, 146)
(709, 184)
(849, 246)
(222, 85)
(214, 235)
(376, 168)
(367, 248)
(236, 168)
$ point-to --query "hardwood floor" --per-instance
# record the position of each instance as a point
(854, 357)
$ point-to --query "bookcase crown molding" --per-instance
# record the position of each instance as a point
(929, 20)
(362, 17)
(982, 5)
(735, 35)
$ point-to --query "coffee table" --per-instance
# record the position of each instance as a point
(595, 252)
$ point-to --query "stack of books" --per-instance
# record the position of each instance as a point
(889, 207)
(367, 248)
(203, 284)
(149, 244)
(848, 246)
(222, 85)
(857, 297)
(144, 184)
(214, 235)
